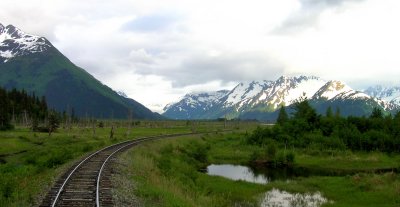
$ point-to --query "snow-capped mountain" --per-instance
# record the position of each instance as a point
(194, 105)
(32, 63)
(243, 93)
(14, 43)
(271, 94)
(268, 96)
(287, 90)
(331, 89)
(389, 94)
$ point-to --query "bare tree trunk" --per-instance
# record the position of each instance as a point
(94, 127)
(13, 117)
(225, 122)
(129, 123)
(25, 118)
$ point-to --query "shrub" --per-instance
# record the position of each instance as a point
(255, 156)
(271, 151)
(290, 158)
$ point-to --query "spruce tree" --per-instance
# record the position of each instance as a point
(329, 112)
(376, 113)
(282, 117)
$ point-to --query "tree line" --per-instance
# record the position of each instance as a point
(304, 128)
(21, 107)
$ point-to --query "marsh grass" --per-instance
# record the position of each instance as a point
(30, 161)
(357, 190)
(166, 174)
(347, 160)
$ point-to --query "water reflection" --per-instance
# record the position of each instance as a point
(264, 175)
(277, 198)
(237, 172)
(255, 175)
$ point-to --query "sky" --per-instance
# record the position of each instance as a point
(156, 51)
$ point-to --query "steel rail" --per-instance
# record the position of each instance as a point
(105, 162)
(127, 143)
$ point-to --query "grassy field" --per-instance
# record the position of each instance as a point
(31, 161)
(166, 173)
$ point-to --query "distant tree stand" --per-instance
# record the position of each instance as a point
(53, 123)
(112, 132)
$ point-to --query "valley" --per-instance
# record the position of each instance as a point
(32, 161)
(298, 140)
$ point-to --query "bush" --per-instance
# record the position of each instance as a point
(255, 156)
(6, 127)
(195, 153)
(290, 158)
(280, 159)
(271, 151)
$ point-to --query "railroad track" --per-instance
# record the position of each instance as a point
(88, 183)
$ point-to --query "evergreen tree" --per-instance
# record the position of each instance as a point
(53, 122)
(329, 112)
(4, 110)
(282, 117)
(337, 113)
(303, 110)
(376, 113)
(20, 106)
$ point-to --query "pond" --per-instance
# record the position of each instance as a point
(263, 175)
(237, 172)
(256, 175)
(274, 197)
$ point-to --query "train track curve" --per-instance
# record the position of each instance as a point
(88, 183)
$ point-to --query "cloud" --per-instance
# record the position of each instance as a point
(226, 67)
(152, 23)
(308, 13)
(167, 48)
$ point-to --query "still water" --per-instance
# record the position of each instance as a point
(274, 197)
(264, 175)
(237, 172)
(256, 175)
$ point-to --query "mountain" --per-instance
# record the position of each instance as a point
(331, 89)
(389, 94)
(261, 100)
(16, 43)
(194, 105)
(32, 63)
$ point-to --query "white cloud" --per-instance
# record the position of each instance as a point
(156, 51)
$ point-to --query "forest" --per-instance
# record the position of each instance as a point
(21, 107)
(304, 128)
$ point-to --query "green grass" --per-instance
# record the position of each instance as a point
(30, 161)
(230, 148)
(361, 190)
(164, 173)
(347, 160)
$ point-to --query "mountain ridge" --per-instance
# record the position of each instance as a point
(32, 63)
(14, 43)
(259, 98)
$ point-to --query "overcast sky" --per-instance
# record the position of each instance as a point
(157, 50)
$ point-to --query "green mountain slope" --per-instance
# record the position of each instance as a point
(67, 86)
